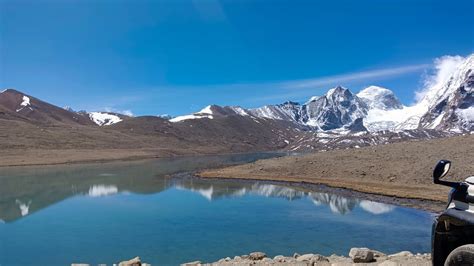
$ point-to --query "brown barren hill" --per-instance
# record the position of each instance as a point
(400, 169)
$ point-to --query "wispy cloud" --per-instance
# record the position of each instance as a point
(255, 94)
(351, 77)
(300, 88)
(313, 83)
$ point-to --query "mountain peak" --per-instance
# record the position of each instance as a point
(12, 91)
(312, 99)
(374, 90)
(337, 90)
(290, 103)
(379, 98)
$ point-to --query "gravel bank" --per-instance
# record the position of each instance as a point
(356, 256)
(400, 170)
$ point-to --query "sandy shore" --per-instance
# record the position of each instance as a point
(401, 170)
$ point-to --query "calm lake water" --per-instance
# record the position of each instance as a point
(104, 213)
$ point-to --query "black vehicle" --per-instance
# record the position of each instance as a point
(452, 238)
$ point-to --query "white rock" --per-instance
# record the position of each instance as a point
(401, 254)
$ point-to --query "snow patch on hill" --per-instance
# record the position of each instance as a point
(189, 117)
(25, 102)
(104, 119)
(206, 110)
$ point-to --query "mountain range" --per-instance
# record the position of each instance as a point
(448, 107)
(338, 119)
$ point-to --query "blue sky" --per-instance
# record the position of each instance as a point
(176, 56)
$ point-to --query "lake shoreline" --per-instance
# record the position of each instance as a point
(356, 255)
(67, 157)
(400, 172)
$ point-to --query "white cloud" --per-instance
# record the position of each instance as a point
(444, 67)
(114, 110)
(127, 112)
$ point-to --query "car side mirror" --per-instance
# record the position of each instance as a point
(440, 170)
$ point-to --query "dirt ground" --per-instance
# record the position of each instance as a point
(45, 157)
(401, 170)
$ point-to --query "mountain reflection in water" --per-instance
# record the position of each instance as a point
(24, 191)
(214, 190)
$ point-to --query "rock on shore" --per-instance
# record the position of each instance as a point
(357, 256)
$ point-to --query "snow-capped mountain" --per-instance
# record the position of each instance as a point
(339, 107)
(379, 98)
(451, 105)
(336, 109)
(289, 111)
(448, 104)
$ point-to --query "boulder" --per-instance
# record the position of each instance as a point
(312, 258)
(257, 255)
(279, 258)
(305, 257)
(361, 255)
(378, 254)
(401, 254)
(133, 262)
